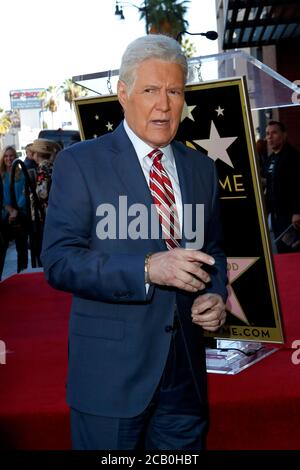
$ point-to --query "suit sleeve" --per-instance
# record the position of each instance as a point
(70, 264)
(214, 245)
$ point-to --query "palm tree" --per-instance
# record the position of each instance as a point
(165, 16)
(5, 125)
(72, 91)
(50, 97)
(188, 47)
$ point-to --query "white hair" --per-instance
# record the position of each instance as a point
(152, 46)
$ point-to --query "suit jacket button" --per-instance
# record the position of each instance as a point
(168, 328)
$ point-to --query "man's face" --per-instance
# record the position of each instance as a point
(29, 153)
(275, 137)
(154, 104)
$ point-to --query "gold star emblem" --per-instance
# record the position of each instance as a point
(235, 268)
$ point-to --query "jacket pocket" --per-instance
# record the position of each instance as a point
(97, 327)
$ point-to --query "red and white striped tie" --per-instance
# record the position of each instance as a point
(163, 196)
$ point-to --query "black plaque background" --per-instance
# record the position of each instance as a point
(243, 218)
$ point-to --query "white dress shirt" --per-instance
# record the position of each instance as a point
(142, 150)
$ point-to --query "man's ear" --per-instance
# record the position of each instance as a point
(122, 93)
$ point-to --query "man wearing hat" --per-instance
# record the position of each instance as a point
(44, 152)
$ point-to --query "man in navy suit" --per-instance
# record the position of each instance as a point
(137, 375)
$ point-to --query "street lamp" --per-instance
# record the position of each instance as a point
(212, 35)
(119, 11)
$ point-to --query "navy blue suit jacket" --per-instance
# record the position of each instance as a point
(118, 343)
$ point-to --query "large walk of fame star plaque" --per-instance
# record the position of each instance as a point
(216, 120)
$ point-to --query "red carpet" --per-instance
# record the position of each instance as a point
(256, 409)
(33, 324)
(288, 278)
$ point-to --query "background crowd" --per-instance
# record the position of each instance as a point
(22, 189)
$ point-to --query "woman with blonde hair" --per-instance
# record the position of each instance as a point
(13, 217)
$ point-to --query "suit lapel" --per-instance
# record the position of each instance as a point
(186, 182)
(127, 166)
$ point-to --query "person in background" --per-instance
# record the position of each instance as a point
(282, 173)
(137, 371)
(262, 153)
(29, 160)
(43, 153)
(30, 164)
(13, 219)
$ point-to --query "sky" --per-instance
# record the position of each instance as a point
(44, 42)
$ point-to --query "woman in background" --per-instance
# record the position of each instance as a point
(13, 219)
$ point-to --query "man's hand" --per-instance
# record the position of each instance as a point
(208, 311)
(12, 215)
(180, 268)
